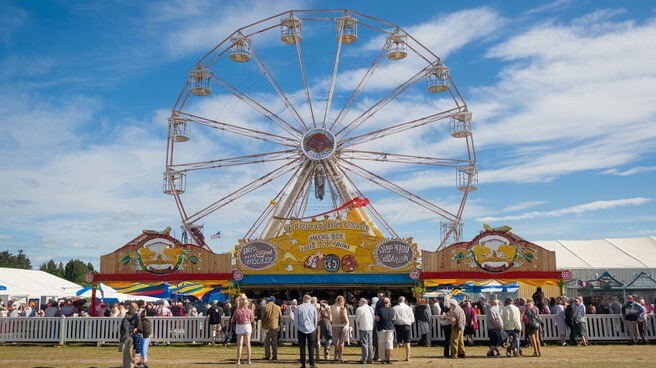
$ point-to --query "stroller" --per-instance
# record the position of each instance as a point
(511, 343)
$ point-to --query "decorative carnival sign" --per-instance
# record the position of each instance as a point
(257, 255)
(326, 246)
(159, 256)
(494, 253)
(394, 254)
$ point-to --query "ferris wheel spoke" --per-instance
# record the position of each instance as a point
(400, 158)
(381, 103)
(333, 78)
(279, 90)
(371, 208)
(380, 133)
(308, 96)
(384, 183)
(255, 184)
(235, 161)
(273, 204)
(247, 132)
(360, 87)
(283, 210)
(258, 107)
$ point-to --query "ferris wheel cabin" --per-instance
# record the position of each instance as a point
(397, 47)
(438, 79)
(347, 29)
(178, 129)
(174, 182)
(239, 52)
(200, 82)
(461, 124)
(291, 30)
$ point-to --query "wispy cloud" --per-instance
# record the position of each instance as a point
(562, 105)
(574, 210)
(631, 171)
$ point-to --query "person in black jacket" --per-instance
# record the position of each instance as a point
(214, 314)
(129, 325)
(142, 338)
(569, 320)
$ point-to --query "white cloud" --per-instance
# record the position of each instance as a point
(522, 206)
(574, 210)
(631, 171)
(573, 100)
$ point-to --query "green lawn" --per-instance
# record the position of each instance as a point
(187, 355)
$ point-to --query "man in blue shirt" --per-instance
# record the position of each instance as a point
(306, 320)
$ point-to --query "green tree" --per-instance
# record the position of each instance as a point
(75, 270)
(52, 268)
(19, 260)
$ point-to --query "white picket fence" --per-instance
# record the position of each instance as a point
(62, 330)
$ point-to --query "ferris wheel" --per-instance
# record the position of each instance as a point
(324, 111)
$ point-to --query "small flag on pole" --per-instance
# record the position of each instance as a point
(217, 235)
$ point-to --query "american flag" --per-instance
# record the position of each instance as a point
(216, 236)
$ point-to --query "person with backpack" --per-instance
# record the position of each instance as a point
(532, 323)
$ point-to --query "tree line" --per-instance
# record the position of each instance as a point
(73, 271)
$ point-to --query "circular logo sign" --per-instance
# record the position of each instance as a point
(394, 254)
(237, 275)
(318, 144)
(566, 275)
(414, 274)
(331, 263)
(88, 277)
(257, 255)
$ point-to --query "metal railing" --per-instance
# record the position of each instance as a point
(62, 330)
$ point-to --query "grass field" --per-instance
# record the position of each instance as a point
(187, 355)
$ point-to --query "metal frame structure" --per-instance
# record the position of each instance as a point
(322, 133)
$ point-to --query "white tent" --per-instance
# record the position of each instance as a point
(633, 253)
(107, 293)
(34, 284)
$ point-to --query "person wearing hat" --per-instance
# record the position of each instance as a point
(458, 321)
(270, 323)
(214, 314)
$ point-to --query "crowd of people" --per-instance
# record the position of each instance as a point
(383, 324)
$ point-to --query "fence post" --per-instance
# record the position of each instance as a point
(62, 330)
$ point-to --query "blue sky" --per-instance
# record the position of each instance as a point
(561, 94)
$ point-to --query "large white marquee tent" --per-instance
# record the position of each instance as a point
(33, 284)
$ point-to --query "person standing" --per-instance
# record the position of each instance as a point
(214, 315)
(243, 318)
(512, 324)
(271, 315)
(325, 328)
(403, 320)
(631, 311)
(423, 318)
(129, 326)
(471, 323)
(306, 320)
(144, 331)
(643, 320)
(458, 321)
(385, 328)
(494, 326)
(445, 324)
(580, 321)
(532, 330)
(364, 319)
(340, 326)
(569, 320)
(561, 325)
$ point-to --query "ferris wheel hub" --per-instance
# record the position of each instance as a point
(318, 144)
